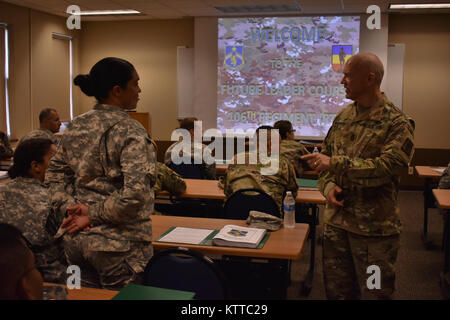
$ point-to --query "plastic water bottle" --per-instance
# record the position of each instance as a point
(315, 150)
(289, 210)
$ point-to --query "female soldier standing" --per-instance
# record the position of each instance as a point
(103, 175)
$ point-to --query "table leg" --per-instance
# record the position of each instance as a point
(426, 199)
(444, 276)
(307, 284)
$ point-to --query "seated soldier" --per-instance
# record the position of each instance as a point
(208, 171)
(247, 175)
(168, 180)
(290, 148)
(49, 125)
(25, 204)
(19, 278)
(5, 147)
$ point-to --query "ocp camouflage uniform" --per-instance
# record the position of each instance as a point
(244, 176)
(444, 182)
(41, 133)
(209, 170)
(168, 180)
(106, 160)
(293, 150)
(368, 148)
(25, 204)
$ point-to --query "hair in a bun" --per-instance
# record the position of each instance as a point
(104, 75)
(26, 152)
(85, 83)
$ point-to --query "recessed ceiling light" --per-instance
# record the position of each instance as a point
(420, 6)
(106, 12)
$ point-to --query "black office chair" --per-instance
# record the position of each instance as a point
(188, 270)
(240, 203)
(188, 170)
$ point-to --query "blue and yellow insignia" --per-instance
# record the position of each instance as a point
(234, 57)
(237, 233)
(339, 56)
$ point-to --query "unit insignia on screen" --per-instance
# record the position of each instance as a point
(288, 68)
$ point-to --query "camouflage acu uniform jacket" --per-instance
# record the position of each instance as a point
(25, 204)
(367, 151)
(444, 182)
(168, 180)
(208, 169)
(40, 133)
(293, 150)
(243, 176)
(5, 147)
(106, 160)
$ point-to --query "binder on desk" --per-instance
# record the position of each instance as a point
(138, 292)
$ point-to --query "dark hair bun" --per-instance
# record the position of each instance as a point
(12, 172)
(85, 83)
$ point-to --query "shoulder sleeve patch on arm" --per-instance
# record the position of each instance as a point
(407, 147)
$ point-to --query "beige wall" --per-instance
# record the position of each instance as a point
(18, 20)
(151, 46)
(426, 74)
(49, 65)
(31, 62)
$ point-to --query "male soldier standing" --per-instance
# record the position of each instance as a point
(368, 144)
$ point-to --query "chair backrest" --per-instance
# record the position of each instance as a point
(240, 203)
(188, 171)
(184, 269)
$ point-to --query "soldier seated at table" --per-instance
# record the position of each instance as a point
(290, 148)
(208, 171)
(25, 204)
(49, 124)
(168, 180)
(251, 175)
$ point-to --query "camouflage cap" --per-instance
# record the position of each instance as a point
(261, 220)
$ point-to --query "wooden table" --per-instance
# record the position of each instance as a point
(282, 244)
(221, 170)
(428, 174)
(86, 293)
(209, 189)
(442, 197)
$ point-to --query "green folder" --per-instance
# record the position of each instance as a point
(308, 183)
(138, 292)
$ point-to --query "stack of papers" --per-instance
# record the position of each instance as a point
(185, 235)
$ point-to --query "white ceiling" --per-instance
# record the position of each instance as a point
(175, 9)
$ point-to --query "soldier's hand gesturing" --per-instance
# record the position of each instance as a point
(317, 161)
(333, 197)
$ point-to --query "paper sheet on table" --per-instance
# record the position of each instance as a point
(439, 170)
(186, 235)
